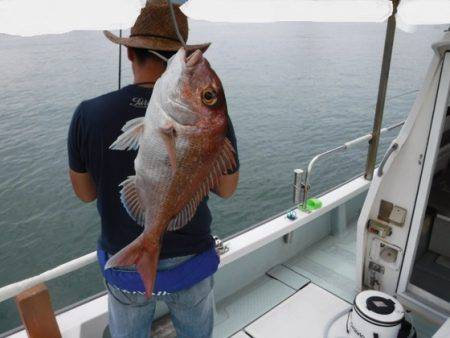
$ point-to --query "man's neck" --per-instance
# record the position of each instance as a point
(147, 76)
(145, 81)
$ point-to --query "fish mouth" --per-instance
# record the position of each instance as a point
(193, 58)
(176, 108)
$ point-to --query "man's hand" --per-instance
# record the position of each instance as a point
(83, 186)
(227, 185)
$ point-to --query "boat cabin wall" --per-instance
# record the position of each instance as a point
(385, 221)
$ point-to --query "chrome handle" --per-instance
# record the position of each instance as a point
(388, 154)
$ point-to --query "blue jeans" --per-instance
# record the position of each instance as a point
(191, 310)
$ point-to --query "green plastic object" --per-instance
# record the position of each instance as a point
(311, 204)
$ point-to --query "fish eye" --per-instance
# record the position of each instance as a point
(209, 97)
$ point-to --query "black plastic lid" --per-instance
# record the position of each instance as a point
(380, 305)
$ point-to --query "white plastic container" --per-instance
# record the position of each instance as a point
(375, 315)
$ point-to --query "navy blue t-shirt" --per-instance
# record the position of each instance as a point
(95, 125)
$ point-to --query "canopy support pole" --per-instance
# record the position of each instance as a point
(384, 76)
(120, 61)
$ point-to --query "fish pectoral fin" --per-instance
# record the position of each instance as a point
(131, 200)
(168, 135)
(225, 161)
(129, 139)
(227, 156)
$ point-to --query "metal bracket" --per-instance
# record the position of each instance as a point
(288, 237)
(221, 248)
(375, 269)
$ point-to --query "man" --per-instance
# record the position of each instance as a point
(96, 173)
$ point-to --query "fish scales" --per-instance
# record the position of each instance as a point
(182, 153)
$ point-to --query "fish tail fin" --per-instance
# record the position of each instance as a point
(129, 255)
(144, 257)
(147, 266)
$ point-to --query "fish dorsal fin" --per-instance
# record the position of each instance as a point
(224, 162)
(129, 139)
(131, 200)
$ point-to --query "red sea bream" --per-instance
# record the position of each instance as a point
(182, 153)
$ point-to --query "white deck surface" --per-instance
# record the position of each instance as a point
(305, 314)
(249, 303)
(444, 331)
(320, 278)
(329, 264)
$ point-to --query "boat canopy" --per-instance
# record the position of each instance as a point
(410, 12)
(32, 17)
(424, 12)
(262, 11)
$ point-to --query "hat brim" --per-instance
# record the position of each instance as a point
(154, 43)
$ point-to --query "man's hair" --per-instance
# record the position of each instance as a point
(142, 55)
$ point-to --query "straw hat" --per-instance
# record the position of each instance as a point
(154, 29)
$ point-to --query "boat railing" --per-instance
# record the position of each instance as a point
(12, 290)
(302, 186)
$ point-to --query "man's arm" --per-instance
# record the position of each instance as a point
(82, 183)
(83, 186)
(227, 185)
(229, 182)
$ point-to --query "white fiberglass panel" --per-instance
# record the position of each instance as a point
(254, 11)
(32, 17)
(304, 314)
(424, 12)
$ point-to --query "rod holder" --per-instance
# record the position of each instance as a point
(298, 177)
(302, 187)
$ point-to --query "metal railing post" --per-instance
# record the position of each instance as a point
(384, 76)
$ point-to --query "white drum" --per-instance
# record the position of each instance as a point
(375, 315)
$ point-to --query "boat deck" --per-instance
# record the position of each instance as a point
(296, 298)
(326, 265)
